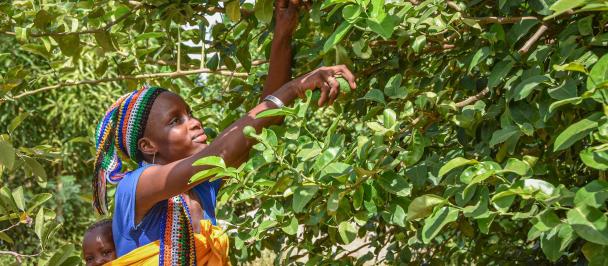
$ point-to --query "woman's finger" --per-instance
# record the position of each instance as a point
(324, 94)
(345, 73)
(334, 89)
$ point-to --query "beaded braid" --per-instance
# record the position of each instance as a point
(116, 139)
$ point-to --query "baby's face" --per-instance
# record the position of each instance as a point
(98, 247)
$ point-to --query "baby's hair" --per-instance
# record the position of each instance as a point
(99, 224)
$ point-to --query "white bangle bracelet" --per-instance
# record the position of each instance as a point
(275, 100)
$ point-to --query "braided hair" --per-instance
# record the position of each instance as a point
(116, 139)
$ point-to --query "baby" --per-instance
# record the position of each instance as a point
(97, 244)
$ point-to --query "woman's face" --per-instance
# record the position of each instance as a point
(171, 131)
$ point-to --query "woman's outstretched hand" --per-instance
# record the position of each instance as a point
(286, 15)
(324, 78)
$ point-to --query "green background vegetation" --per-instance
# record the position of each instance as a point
(478, 134)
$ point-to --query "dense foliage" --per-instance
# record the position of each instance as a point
(478, 132)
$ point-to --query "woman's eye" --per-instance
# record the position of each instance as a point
(107, 252)
(87, 259)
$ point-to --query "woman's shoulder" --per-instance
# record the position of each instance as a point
(130, 179)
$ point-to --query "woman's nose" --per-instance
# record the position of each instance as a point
(195, 123)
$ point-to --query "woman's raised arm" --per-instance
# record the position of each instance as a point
(161, 182)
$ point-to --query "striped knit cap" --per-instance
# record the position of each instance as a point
(116, 139)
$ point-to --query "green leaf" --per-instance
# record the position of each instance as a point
(211, 161)
(38, 200)
(557, 104)
(573, 66)
(149, 35)
(545, 220)
(597, 255)
(422, 206)
(562, 6)
(263, 10)
(204, 174)
(455, 163)
(576, 131)
(479, 56)
(499, 72)
(374, 95)
(351, 13)
(285, 111)
(19, 198)
(517, 166)
(434, 223)
(337, 36)
(62, 255)
(333, 202)
(292, 227)
(526, 87)
(302, 196)
(233, 10)
(35, 167)
(593, 194)
(6, 238)
(385, 27)
(348, 232)
(533, 186)
(595, 159)
(589, 223)
(17, 121)
(393, 88)
(419, 43)
(395, 184)
(7, 154)
(39, 223)
(598, 74)
(503, 134)
(554, 242)
(214, 61)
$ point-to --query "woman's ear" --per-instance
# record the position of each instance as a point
(147, 147)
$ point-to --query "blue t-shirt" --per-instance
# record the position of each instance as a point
(129, 236)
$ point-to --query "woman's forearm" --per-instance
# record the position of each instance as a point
(279, 71)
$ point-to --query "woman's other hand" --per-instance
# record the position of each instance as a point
(324, 78)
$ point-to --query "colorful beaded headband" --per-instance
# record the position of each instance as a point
(116, 139)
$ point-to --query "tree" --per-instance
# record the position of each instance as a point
(477, 134)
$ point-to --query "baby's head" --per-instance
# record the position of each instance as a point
(147, 125)
(98, 244)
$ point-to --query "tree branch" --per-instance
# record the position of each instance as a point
(127, 77)
(100, 29)
(473, 98)
(539, 32)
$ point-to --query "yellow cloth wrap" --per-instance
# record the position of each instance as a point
(211, 249)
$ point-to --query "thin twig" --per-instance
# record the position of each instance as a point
(454, 6)
(473, 98)
(9, 228)
(541, 30)
(502, 20)
(19, 256)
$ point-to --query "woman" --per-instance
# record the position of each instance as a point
(155, 128)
